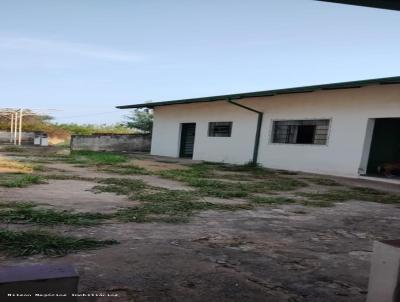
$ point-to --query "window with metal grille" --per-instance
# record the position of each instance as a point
(220, 129)
(313, 132)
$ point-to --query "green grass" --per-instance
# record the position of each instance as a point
(12, 149)
(20, 180)
(158, 204)
(192, 172)
(317, 203)
(171, 206)
(354, 193)
(322, 181)
(204, 178)
(67, 177)
(272, 200)
(166, 196)
(255, 171)
(16, 212)
(18, 166)
(96, 158)
(276, 184)
(17, 243)
(220, 189)
(126, 170)
(121, 186)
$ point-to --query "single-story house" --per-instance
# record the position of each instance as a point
(348, 129)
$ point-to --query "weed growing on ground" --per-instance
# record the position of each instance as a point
(204, 178)
(121, 186)
(13, 149)
(170, 206)
(272, 200)
(20, 180)
(354, 193)
(276, 184)
(37, 242)
(18, 212)
(125, 170)
(322, 181)
(96, 158)
(19, 167)
(68, 177)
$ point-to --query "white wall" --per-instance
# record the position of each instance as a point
(235, 149)
(348, 109)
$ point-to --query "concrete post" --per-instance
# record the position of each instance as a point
(384, 279)
(12, 127)
(15, 127)
(20, 128)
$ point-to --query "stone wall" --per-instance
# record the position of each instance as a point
(112, 142)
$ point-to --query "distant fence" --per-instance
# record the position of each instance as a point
(26, 137)
(112, 142)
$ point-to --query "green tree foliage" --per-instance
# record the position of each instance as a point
(87, 129)
(45, 123)
(141, 120)
(37, 123)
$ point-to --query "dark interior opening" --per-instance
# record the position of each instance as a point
(305, 134)
(384, 157)
(188, 132)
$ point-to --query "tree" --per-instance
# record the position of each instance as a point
(141, 120)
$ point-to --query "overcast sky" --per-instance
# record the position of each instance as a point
(84, 57)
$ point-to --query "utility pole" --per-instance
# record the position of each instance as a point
(12, 127)
(15, 127)
(20, 127)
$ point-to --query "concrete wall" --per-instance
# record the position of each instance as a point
(112, 142)
(348, 109)
(26, 138)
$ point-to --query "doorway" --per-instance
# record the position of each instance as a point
(384, 156)
(188, 132)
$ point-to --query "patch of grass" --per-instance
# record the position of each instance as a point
(355, 193)
(200, 176)
(317, 203)
(322, 181)
(219, 189)
(280, 184)
(13, 149)
(96, 158)
(121, 186)
(37, 242)
(193, 172)
(20, 180)
(287, 172)
(170, 206)
(272, 200)
(167, 195)
(126, 170)
(68, 177)
(27, 213)
(15, 165)
(255, 171)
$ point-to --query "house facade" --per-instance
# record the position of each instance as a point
(346, 129)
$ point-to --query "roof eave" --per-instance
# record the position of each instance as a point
(268, 93)
(383, 4)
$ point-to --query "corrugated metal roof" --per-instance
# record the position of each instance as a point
(266, 93)
(386, 4)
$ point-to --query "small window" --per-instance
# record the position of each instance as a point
(313, 132)
(220, 129)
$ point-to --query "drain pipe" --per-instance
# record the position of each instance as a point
(258, 131)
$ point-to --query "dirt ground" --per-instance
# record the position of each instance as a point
(275, 253)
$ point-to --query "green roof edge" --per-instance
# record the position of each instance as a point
(266, 93)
